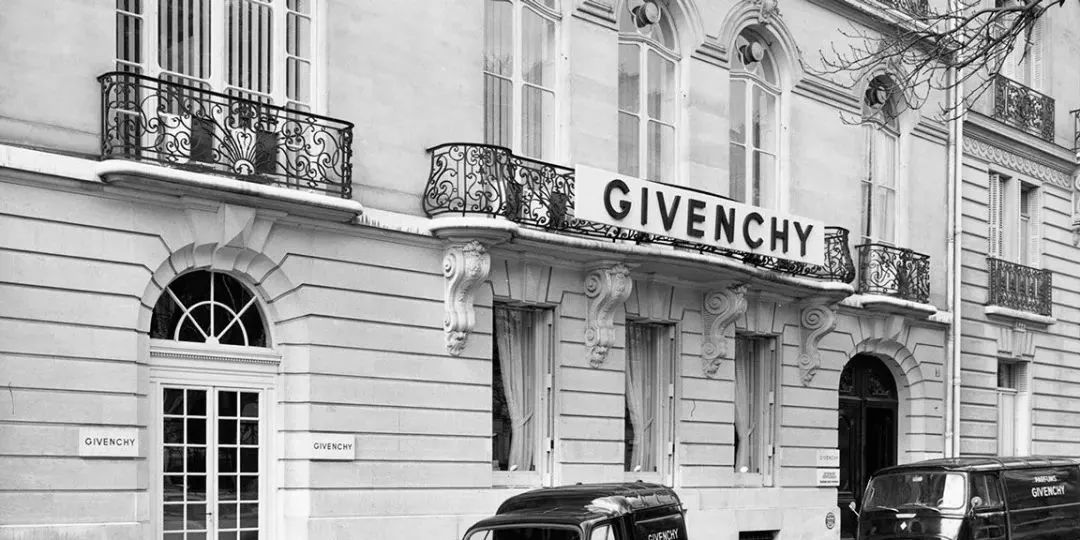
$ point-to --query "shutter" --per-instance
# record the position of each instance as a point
(1006, 422)
(994, 214)
(1035, 226)
(1037, 51)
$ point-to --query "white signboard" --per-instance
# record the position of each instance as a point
(108, 442)
(327, 446)
(684, 214)
(828, 477)
(828, 458)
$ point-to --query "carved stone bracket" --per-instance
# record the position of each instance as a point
(606, 288)
(817, 320)
(465, 267)
(721, 309)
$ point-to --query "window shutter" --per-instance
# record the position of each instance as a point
(1035, 226)
(994, 216)
(1037, 50)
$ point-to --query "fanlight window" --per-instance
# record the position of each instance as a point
(208, 307)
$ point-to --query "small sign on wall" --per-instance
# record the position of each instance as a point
(829, 458)
(108, 442)
(828, 477)
(324, 446)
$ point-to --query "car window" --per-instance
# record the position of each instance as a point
(985, 486)
(602, 532)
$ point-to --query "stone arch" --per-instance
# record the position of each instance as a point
(763, 16)
(689, 28)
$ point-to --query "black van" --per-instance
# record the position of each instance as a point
(1026, 498)
(630, 511)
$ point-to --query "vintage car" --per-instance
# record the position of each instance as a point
(628, 511)
(1007, 498)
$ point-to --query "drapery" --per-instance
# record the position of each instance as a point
(642, 385)
(517, 362)
(745, 397)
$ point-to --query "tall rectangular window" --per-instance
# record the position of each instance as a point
(650, 398)
(755, 405)
(521, 394)
(1006, 390)
(1014, 217)
(879, 186)
(519, 76)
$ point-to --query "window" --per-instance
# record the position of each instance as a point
(1024, 63)
(519, 75)
(755, 403)
(256, 49)
(1014, 407)
(1014, 220)
(650, 395)
(522, 419)
(882, 145)
(647, 92)
(755, 121)
(985, 486)
(208, 307)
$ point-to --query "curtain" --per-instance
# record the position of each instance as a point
(515, 343)
(642, 383)
(745, 395)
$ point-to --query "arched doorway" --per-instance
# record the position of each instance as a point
(866, 431)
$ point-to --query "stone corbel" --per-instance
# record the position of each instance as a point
(465, 267)
(721, 309)
(817, 320)
(606, 288)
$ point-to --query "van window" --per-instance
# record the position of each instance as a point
(916, 490)
(529, 532)
(602, 532)
(1035, 488)
(985, 487)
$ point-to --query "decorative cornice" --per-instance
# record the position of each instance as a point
(465, 266)
(1005, 158)
(606, 288)
(712, 52)
(600, 12)
(828, 93)
(721, 308)
(817, 320)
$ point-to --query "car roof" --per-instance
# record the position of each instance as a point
(580, 503)
(967, 464)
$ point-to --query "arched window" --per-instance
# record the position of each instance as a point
(519, 75)
(880, 109)
(647, 91)
(755, 121)
(208, 307)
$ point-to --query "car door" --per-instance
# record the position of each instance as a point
(988, 518)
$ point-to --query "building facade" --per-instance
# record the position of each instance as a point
(299, 269)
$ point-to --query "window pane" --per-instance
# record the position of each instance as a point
(298, 74)
(537, 49)
(884, 214)
(498, 121)
(498, 36)
(249, 57)
(515, 349)
(629, 78)
(737, 172)
(661, 154)
(738, 111)
(184, 37)
(629, 156)
(764, 119)
(538, 122)
(884, 158)
(298, 42)
(868, 210)
(661, 87)
(764, 179)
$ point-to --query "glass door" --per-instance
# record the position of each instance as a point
(210, 476)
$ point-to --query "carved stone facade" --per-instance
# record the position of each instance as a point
(606, 288)
(465, 266)
(720, 310)
(817, 320)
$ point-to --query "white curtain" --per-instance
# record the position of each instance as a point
(642, 383)
(745, 396)
(516, 359)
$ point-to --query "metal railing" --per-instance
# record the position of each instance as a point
(1023, 108)
(485, 180)
(1076, 129)
(155, 120)
(1020, 287)
(894, 271)
(915, 8)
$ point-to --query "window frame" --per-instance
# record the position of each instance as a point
(752, 183)
(544, 374)
(1006, 216)
(766, 359)
(664, 351)
(550, 14)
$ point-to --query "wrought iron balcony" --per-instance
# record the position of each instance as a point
(148, 119)
(1023, 108)
(484, 180)
(1020, 287)
(894, 271)
(1076, 129)
(915, 8)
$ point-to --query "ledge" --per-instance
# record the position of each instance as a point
(1001, 312)
(889, 304)
(117, 171)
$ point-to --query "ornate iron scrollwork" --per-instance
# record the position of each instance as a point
(894, 271)
(1020, 287)
(1023, 107)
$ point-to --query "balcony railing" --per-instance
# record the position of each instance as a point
(484, 180)
(894, 271)
(915, 8)
(1076, 129)
(148, 119)
(1023, 108)
(1020, 287)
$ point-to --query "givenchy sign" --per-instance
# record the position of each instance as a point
(632, 203)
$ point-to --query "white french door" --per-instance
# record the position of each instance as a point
(210, 444)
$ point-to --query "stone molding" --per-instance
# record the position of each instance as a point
(465, 267)
(606, 288)
(599, 12)
(817, 320)
(1004, 158)
(1015, 342)
(721, 309)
